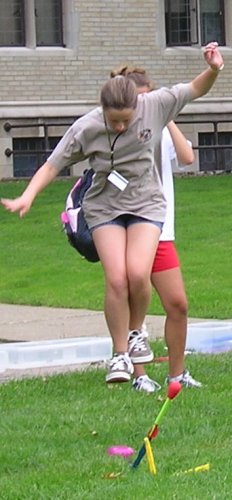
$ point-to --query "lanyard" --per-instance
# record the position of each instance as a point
(111, 145)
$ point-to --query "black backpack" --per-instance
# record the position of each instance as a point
(73, 220)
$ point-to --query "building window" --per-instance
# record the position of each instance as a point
(194, 22)
(31, 23)
(29, 153)
(12, 28)
(211, 159)
(48, 22)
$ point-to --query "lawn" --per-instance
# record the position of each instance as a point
(39, 267)
(55, 433)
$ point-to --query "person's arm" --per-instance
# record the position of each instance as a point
(39, 181)
(67, 152)
(183, 148)
(203, 82)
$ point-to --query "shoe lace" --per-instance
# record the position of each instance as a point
(119, 361)
(137, 342)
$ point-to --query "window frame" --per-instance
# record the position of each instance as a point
(216, 145)
(198, 25)
(29, 27)
(61, 31)
(34, 151)
(22, 44)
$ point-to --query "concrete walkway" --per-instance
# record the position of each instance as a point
(26, 323)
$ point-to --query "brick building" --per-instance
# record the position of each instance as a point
(55, 55)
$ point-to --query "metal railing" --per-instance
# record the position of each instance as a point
(45, 126)
(67, 122)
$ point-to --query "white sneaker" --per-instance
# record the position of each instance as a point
(146, 384)
(139, 348)
(120, 368)
(186, 380)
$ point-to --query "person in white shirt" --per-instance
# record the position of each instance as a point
(166, 276)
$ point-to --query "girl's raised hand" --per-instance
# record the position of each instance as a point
(212, 56)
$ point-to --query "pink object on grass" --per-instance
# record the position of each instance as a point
(121, 450)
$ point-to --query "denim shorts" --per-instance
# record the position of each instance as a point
(127, 220)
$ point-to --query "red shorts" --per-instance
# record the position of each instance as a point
(166, 257)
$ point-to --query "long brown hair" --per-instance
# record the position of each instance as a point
(119, 93)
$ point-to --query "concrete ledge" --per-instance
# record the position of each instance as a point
(61, 109)
(26, 323)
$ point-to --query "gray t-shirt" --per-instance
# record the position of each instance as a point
(136, 157)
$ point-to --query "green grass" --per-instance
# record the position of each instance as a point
(55, 433)
(203, 232)
(39, 267)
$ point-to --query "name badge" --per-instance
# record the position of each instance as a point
(117, 180)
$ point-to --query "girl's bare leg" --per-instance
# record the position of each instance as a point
(142, 242)
(110, 241)
(170, 288)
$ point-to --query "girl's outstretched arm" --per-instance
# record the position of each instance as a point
(39, 181)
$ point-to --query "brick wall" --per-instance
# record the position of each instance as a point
(107, 33)
(100, 34)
